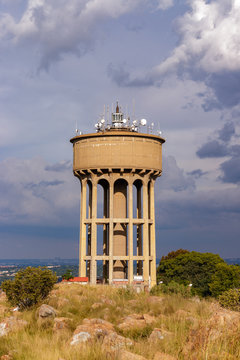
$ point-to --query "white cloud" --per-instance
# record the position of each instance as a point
(209, 35)
(165, 4)
(57, 27)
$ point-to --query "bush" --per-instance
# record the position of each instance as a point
(30, 286)
(226, 277)
(230, 299)
(190, 267)
(171, 288)
(68, 275)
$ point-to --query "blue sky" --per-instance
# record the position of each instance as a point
(62, 60)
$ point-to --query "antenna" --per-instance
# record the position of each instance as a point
(107, 114)
(76, 129)
(133, 109)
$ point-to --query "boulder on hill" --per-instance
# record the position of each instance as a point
(101, 330)
(61, 324)
(91, 329)
(136, 321)
(46, 311)
(11, 324)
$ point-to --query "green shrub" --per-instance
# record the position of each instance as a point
(226, 277)
(171, 288)
(189, 267)
(67, 275)
(30, 286)
(230, 299)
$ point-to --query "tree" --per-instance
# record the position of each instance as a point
(174, 254)
(226, 277)
(30, 286)
(190, 268)
(67, 275)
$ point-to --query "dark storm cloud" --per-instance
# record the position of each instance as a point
(197, 173)
(231, 171)
(43, 184)
(121, 77)
(38, 189)
(212, 148)
(226, 88)
(226, 133)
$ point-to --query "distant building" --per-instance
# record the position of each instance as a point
(79, 280)
(124, 162)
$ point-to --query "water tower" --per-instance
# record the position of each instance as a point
(120, 163)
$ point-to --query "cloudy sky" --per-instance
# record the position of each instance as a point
(62, 60)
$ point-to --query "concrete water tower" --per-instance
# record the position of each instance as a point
(121, 164)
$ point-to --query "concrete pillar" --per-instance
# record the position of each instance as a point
(119, 230)
(139, 228)
(82, 238)
(105, 230)
(145, 234)
(110, 266)
(93, 266)
(152, 239)
(130, 232)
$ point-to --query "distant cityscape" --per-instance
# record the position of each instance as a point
(9, 267)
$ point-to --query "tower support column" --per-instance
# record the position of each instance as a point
(93, 266)
(130, 231)
(152, 235)
(82, 237)
(145, 234)
(110, 266)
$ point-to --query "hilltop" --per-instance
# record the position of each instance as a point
(102, 322)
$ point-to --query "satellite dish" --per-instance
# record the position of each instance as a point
(143, 122)
(159, 132)
(102, 121)
(124, 121)
(134, 122)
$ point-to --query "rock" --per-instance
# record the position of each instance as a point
(158, 334)
(91, 329)
(149, 319)
(61, 302)
(46, 311)
(80, 337)
(108, 301)
(163, 356)
(61, 323)
(136, 320)
(11, 324)
(223, 318)
(154, 299)
(6, 357)
(114, 341)
(96, 305)
(127, 355)
(3, 329)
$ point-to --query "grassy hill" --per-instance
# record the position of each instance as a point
(121, 325)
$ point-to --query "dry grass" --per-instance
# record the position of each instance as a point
(188, 333)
